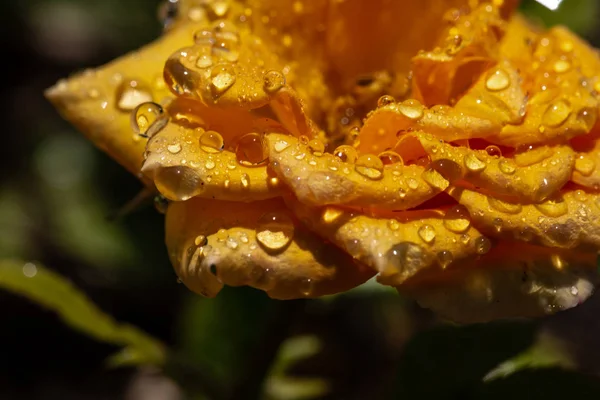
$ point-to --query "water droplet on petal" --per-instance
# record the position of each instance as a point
(281, 145)
(507, 167)
(245, 179)
(200, 241)
(148, 119)
(427, 233)
(412, 109)
(317, 147)
(557, 113)
(273, 81)
(161, 204)
(445, 258)
(131, 94)
(553, 208)
(174, 148)
(346, 153)
(494, 151)
(222, 78)
(561, 66)
(179, 78)
(385, 100)
(457, 219)
(390, 157)
(497, 80)
(473, 163)
(482, 245)
(210, 164)
(369, 166)
(504, 207)
(393, 224)
(178, 183)
(211, 142)
(274, 232)
(585, 165)
(251, 150)
(448, 169)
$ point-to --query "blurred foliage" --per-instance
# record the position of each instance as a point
(56, 194)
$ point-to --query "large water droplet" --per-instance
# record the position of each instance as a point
(178, 183)
(148, 119)
(222, 78)
(497, 80)
(412, 109)
(251, 150)
(445, 258)
(473, 163)
(212, 142)
(178, 78)
(369, 166)
(457, 219)
(385, 100)
(557, 113)
(507, 167)
(389, 157)
(427, 233)
(346, 153)
(482, 245)
(317, 147)
(273, 81)
(275, 232)
(553, 208)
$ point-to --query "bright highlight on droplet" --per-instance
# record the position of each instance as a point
(550, 4)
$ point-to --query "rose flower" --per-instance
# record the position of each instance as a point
(449, 148)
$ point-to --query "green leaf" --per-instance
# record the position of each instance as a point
(546, 352)
(55, 293)
(581, 16)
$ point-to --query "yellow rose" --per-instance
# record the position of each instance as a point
(447, 147)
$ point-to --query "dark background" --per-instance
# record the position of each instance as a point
(56, 191)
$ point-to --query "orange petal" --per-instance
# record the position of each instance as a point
(216, 243)
(531, 176)
(569, 220)
(398, 248)
(319, 178)
(99, 102)
(587, 161)
(185, 163)
(512, 280)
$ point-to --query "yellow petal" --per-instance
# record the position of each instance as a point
(322, 178)
(587, 161)
(544, 173)
(99, 102)
(216, 243)
(569, 220)
(399, 248)
(185, 162)
(513, 280)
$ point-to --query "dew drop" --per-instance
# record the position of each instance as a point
(274, 232)
(557, 261)
(281, 145)
(413, 183)
(498, 224)
(131, 94)
(174, 148)
(200, 241)
(497, 80)
(178, 183)
(473, 163)
(369, 166)
(507, 167)
(585, 165)
(251, 150)
(434, 179)
(179, 79)
(317, 147)
(557, 113)
(445, 258)
(222, 78)
(211, 142)
(588, 117)
(494, 151)
(504, 207)
(148, 119)
(561, 66)
(245, 179)
(226, 45)
(457, 219)
(482, 245)
(204, 57)
(385, 100)
(465, 239)
(389, 157)
(553, 208)
(231, 243)
(273, 81)
(346, 153)
(412, 109)
(393, 224)
(427, 233)
(210, 164)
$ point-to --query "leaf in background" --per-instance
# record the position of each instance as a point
(546, 352)
(78, 213)
(579, 15)
(280, 386)
(15, 224)
(55, 293)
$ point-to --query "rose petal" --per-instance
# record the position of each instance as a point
(398, 248)
(512, 280)
(569, 220)
(216, 243)
(182, 169)
(321, 178)
(503, 176)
